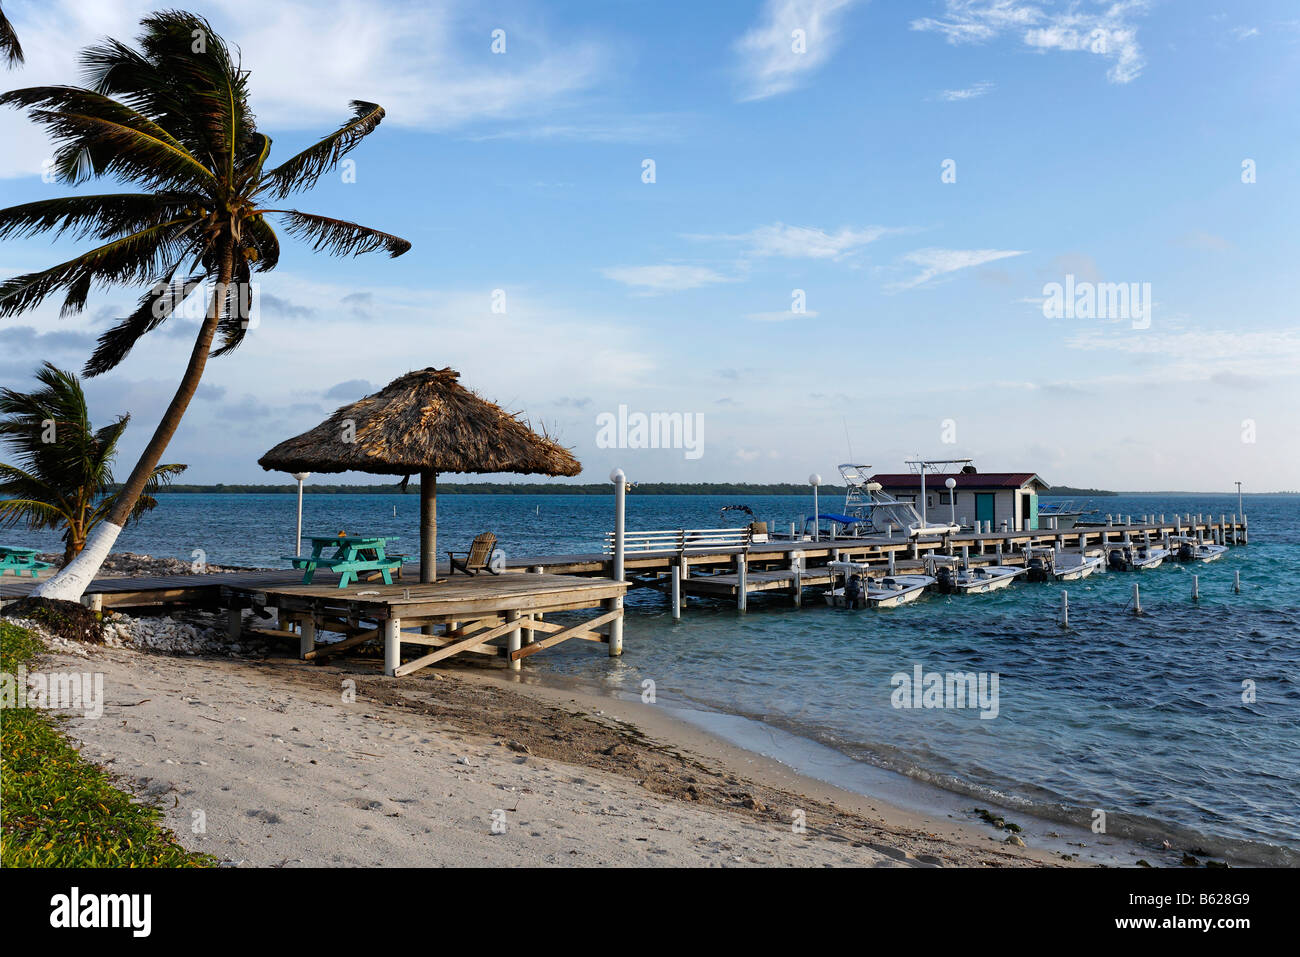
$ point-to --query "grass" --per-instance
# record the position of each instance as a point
(57, 809)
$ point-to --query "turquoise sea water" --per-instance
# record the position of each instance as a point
(1142, 717)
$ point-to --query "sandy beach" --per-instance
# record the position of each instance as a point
(274, 763)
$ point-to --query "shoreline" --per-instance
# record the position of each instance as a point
(797, 763)
(283, 773)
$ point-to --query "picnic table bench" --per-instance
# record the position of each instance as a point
(19, 560)
(353, 555)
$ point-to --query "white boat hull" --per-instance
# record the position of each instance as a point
(1076, 572)
(880, 595)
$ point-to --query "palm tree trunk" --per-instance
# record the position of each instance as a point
(71, 582)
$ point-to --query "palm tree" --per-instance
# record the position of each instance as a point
(9, 47)
(64, 474)
(172, 117)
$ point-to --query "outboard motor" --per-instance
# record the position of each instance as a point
(853, 592)
(1037, 570)
(1186, 552)
(1116, 561)
(945, 581)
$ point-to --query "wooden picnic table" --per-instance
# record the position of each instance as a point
(19, 560)
(352, 554)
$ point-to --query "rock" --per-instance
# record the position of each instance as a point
(514, 745)
(1014, 840)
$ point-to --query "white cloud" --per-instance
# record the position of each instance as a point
(774, 58)
(654, 280)
(1101, 27)
(427, 64)
(967, 93)
(937, 262)
(1245, 33)
(802, 242)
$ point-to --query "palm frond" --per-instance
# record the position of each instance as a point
(10, 49)
(239, 308)
(101, 216)
(338, 236)
(97, 135)
(155, 307)
(303, 170)
(134, 258)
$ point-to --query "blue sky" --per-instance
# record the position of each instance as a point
(1103, 141)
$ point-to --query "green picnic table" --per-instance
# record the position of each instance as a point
(352, 554)
(19, 560)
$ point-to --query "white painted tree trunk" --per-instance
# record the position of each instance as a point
(71, 583)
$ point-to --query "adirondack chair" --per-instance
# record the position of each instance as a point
(478, 558)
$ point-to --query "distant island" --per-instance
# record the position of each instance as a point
(1078, 492)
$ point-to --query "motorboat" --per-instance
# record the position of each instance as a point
(954, 578)
(1190, 550)
(1044, 563)
(1135, 557)
(861, 590)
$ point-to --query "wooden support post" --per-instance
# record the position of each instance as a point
(234, 623)
(306, 636)
(615, 626)
(677, 590)
(526, 633)
(392, 646)
(798, 583)
(742, 594)
(891, 561)
(514, 640)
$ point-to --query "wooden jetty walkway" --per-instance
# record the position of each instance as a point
(506, 615)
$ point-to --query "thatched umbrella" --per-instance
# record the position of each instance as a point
(424, 422)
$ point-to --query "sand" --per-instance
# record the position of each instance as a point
(264, 763)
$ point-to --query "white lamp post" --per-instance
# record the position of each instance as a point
(814, 480)
(301, 477)
(951, 483)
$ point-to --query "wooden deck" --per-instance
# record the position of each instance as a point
(505, 614)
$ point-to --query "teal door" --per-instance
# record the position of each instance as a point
(984, 506)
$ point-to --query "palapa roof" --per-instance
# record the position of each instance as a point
(424, 420)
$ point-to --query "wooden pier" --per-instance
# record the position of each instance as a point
(506, 615)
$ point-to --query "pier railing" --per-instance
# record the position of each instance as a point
(681, 540)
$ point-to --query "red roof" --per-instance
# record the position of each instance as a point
(966, 480)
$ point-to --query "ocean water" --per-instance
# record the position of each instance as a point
(1146, 718)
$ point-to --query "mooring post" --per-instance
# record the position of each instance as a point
(965, 554)
(1236, 582)
(677, 589)
(796, 564)
(999, 553)
(392, 645)
(891, 561)
(1196, 588)
(1065, 609)
(616, 604)
(1137, 600)
(741, 593)
(306, 635)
